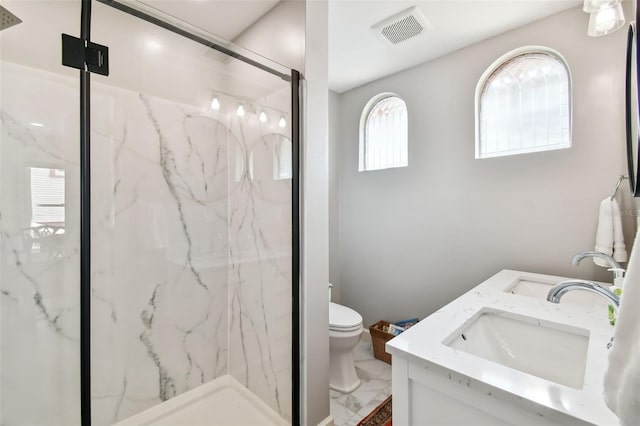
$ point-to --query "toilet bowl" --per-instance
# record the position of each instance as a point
(345, 329)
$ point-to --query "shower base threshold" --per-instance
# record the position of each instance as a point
(223, 401)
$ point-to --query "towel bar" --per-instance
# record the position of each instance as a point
(615, 191)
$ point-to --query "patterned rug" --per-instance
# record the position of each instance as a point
(380, 416)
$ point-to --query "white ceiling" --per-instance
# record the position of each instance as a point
(358, 55)
(226, 19)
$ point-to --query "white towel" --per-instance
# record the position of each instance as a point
(622, 378)
(609, 237)
(619, 249)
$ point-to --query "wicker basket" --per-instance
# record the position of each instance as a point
(378, 339)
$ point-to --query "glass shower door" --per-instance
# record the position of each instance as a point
(191, 220)
(39, 216)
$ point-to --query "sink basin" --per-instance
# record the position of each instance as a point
(538, 289)
(544, 349)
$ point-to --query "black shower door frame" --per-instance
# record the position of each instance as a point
(294, 78)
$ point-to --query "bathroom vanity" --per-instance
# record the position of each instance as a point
(502, 355)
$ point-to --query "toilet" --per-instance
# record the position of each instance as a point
(345, 329)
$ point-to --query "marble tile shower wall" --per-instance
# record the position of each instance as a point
(159, 264)
(191, 260)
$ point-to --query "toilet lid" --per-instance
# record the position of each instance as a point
(341, 317)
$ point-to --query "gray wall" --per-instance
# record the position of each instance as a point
(315, 226)
(412, 239)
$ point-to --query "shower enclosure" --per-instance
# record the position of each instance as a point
(148, 217)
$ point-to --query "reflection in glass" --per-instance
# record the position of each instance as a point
(46, 232)
(47, 196)
(195, 260)
(282, 165)
(279, 152)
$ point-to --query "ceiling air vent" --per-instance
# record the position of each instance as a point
(403, 26)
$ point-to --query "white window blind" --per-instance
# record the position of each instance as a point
(523, 104)
(384, 134)
(47, 196)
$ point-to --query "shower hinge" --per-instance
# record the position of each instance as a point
(92, 57)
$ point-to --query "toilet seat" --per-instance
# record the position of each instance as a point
(342, 318)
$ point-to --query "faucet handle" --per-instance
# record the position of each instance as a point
(617, 272)
(618, 276)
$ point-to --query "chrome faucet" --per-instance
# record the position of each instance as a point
(618, 271)
(556, 293)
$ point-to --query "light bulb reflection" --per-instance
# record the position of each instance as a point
(215, 104)
(282, 123)
(240, 111)
(263, 117)
(153, 46)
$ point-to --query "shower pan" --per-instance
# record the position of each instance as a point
(148, 220)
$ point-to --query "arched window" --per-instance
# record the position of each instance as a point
(383, 133)
(523, 104)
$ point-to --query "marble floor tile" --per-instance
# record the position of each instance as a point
(363, 351)
(373, 369)
(340, 413)
(353, 421)
(375, 388)
(371, 405)
(335, 394)
(366, 392)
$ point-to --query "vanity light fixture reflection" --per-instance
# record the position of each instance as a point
(263, 113)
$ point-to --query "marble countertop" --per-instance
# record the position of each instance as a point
(424, 343)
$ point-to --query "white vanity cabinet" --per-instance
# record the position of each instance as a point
(527, 361)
